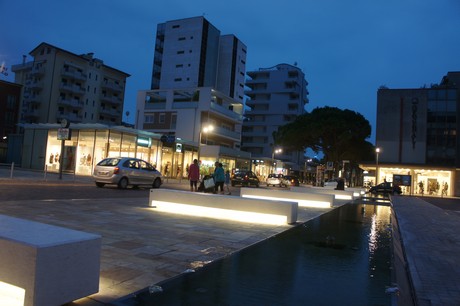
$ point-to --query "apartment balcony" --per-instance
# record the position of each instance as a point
(73, 103)
(31, 113)
(183, 105)
(32, 99)
(35, 85)
(74, 74)
(112, 99)
(112, 86)
(221, 110)
(74, 89)
(70, 117)
(110, 112)
(160, 105)
(225, 133)
(37, 71)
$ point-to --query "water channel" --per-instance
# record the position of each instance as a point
(340, 258)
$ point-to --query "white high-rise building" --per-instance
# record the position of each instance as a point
(58, 84)
(277, 96)
(197, 81)
(192, 53)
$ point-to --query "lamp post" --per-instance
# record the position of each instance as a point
(273, 156)
(204, 129)
(377, 151)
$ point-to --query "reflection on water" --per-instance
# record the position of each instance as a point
(342, 257)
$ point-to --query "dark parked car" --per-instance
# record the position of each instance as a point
(245, 178)
(124, 171)
(385, 188)
(291, 180)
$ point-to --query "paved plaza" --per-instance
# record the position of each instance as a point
(141, 247)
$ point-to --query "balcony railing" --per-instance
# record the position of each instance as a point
(112, 99)
(110, 112)
(74, 74)
(75, 89)
(112, 86)
(71, 102)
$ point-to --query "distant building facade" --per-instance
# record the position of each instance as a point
(58, 84)
(277, 96)
(418, 138)
(10, 97)
(197, 81)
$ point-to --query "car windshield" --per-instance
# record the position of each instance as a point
(109, 162)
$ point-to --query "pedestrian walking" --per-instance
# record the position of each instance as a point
(194, 175)
(227, 181)
(219, 178)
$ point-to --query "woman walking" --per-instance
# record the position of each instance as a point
(194, 175)
(219, 178)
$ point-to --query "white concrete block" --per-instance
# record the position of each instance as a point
(54, 265)
(303, 199)
(274, 207)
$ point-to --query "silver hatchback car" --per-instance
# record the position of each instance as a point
(124, 171)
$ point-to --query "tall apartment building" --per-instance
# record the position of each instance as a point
(277, 96)
(418, 137)
(197, 80)
(58, 84)
(192, 53)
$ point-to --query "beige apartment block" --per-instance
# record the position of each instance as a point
(58, 84)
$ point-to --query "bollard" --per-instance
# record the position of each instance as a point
(46, 172)
(12, 170)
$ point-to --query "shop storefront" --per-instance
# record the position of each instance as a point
(86, 144)
(414, 180)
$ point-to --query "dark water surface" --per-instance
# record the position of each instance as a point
(340, 258)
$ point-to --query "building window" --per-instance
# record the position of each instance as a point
(177, 79)
(161, 118)
(180, 52)
(176, 26)
(181, 38)
(179, 66)
(149, 119)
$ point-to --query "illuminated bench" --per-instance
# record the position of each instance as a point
(303, 199)
(42, 265)
(223, 207)
(339, 195)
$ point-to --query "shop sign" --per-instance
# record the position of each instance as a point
(64, 134)
(144, 142)
(178, 147)
(402, 180)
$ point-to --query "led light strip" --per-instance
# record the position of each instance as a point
(219, 213)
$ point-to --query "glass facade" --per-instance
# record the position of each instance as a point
(441, 144)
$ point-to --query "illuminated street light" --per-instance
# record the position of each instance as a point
(275, 151)
(204, 129)
(377, 151)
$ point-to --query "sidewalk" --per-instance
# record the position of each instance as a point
(431, 243)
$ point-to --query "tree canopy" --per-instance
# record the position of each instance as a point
(339, 134)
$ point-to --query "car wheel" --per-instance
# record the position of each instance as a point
(156, 183)
(100, 185)
(123, 183)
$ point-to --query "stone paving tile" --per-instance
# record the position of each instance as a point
(432, 246)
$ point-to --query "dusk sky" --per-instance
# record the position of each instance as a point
(347, 49)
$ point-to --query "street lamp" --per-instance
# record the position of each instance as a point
(275, 151)
(377, 151)
(204, 129)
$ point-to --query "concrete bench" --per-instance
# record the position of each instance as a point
(224, 207)
(340, 196)
(42, 265)
(303, 199)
